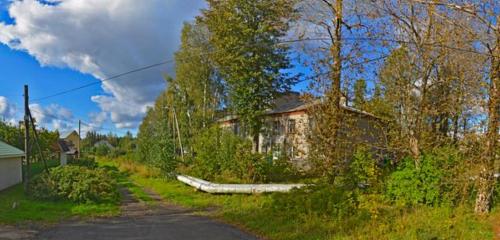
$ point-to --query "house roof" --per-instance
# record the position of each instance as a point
(292, 102)
(8, 151)
(64, 135)
(66, 147)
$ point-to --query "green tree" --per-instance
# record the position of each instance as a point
(155, 144)
(197, 92)
(360, 94)
(245, 36)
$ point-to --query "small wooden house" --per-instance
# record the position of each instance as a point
(68, 143)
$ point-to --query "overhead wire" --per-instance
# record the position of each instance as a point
(117, 76)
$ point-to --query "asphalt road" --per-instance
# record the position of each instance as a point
(139, 221)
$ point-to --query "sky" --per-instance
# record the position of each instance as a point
(56, 45)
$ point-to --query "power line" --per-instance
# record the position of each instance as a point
(101, 81)
(281, 42)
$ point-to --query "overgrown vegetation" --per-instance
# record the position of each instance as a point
(76, 184)
(18, 207)
(428, 123)
(321, 212)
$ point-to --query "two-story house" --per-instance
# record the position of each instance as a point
(287, 127)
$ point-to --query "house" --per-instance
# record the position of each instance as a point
(104, 143)
(71, 137)
(287, 127)
(10, 165)
(69, 144)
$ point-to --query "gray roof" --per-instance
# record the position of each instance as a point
(67, 147)
(8, 151)
(292, 102)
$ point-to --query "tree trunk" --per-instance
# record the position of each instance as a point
(335, 94)
(486, 181)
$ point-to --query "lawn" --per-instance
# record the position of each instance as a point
(28, 209)
(16, 207)
(257, 214)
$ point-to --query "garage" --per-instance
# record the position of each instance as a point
(10, 165)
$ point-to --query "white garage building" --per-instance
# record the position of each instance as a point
(10, 165)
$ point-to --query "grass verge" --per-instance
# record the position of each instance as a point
(16, 207)
(258, 214)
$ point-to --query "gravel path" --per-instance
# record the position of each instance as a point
(140, 221)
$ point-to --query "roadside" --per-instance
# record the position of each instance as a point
(18, 209)
(146, 220)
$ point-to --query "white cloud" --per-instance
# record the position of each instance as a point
(7, 110)
(53, 117)
(104, 38)
(96, 122)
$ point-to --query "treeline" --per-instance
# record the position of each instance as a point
(109, 144)
(429, 70)
(47, 140)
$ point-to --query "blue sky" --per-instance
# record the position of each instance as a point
(59, 46)
(55, 47)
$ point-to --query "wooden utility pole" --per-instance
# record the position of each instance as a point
(178, 134)
(26, 138)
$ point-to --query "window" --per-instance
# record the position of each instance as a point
(277, 128)
(291, 125)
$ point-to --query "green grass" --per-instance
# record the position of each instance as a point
(258, 214)
(124, 180)
(255, 213)
(32, 210)
(29, 209)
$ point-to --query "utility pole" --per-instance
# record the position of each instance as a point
(178, 134)
(26, 138)
(79, 136)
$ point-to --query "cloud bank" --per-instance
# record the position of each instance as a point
(7, 110)
(104, 38)
(53, 117)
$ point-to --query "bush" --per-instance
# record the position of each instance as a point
(363, 172)
(102, 150)
(220, 153)
(409, 185)
(321, 199)
(88, 163)
(76, 184)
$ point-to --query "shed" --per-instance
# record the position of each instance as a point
(10, 165)
(67, 151)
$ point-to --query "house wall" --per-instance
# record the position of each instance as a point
(10, 172)
(73, 138)
(63, 159)
(293, 140)
(359, 129)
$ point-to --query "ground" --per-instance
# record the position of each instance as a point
(138, 220)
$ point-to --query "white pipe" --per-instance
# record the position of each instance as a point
(235, 188)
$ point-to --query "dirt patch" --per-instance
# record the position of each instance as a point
(12, 233)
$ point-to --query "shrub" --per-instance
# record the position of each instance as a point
(321, 199)
(409, 185)
(88, 163)
(77, 184)
(220, 153)
(102, 150)
(363, 171)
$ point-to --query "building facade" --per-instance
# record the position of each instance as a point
(287, 128)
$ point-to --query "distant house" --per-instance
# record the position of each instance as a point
(104, 143)
(10, 165)
(287, 127)
(68, 144)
